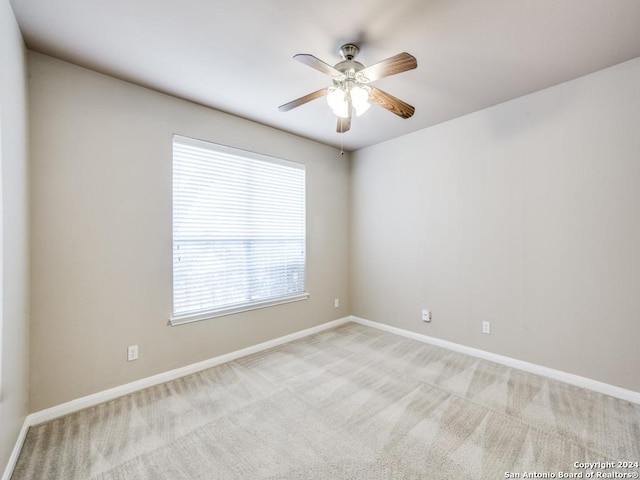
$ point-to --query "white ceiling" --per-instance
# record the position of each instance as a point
(236, 56)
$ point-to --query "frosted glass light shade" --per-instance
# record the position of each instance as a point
(360, 97)
(338, 103)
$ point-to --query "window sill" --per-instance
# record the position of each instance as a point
(182, 319)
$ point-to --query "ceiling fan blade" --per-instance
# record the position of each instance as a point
(344, 124)
(318, 64)
(396, 64)
(391, 103)
(302, 100)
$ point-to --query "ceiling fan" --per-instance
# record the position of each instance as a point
(351, 89)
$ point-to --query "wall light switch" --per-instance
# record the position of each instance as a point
(486, 327)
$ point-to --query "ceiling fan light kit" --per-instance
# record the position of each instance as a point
(351, 89)
(340, 96)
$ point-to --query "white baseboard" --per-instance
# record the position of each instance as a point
(110, 394)
(600, 387)
(15, 453)
(106, 395)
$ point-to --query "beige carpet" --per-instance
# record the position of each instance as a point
(348, 403)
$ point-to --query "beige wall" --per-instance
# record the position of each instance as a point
(526, 214)
(14, 234)
(101, 229)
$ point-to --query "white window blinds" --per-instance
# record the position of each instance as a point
(238, 230)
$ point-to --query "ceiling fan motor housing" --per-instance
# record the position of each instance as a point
(349, 67)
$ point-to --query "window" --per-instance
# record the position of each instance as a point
(238, 230)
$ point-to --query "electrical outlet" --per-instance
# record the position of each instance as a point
(132, 353)
(336, 303)
(486, 327)
(426, 315)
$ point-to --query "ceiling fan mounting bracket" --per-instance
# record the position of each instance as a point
(349, 51)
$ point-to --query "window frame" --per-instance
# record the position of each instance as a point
(182, 318)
